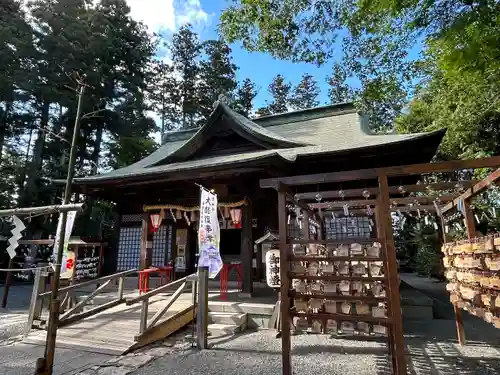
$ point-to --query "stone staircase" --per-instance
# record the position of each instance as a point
(225, 320)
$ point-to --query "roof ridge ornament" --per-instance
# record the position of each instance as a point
(221, 99)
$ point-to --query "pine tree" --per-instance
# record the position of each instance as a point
(339, 91)
(164, 96)
(244, 96)
(280, 94)
(186, 50)
(305, 94)
(263, 111)
(217, 75)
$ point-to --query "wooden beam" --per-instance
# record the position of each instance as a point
(372, 173)
(446, 166)
(164, 329)
(143, 263)
(476, 189)
(415, 208)
(246, 250)
(286, 342)
(341, 204)
(160, 178)
(392, 275)
(358, 193)
(321, 178)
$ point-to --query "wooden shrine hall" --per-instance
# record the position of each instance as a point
(231, 154)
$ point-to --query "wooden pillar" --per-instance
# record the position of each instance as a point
(146, 247)
(470, 224)
(470, 227)
(286, 342)
(392, 274)
(247, 248)
(380, 235)
(305, 225)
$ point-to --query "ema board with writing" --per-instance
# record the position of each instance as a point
(87, 264)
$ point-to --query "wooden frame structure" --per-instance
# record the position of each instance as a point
(284, 187)
(470, 228)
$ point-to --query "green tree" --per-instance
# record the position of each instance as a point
(263, 111)
(164, 95)
(375, 46)
(306, 93)
(133, 141)
(280, 92)
(338, 90)
(186, 51)
(217, 75)
(244, 96)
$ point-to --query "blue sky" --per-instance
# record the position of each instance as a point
(166, 16)
(260, 67)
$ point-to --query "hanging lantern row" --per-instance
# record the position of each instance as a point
(231, 210)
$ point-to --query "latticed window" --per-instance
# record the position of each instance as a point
(347, 227)
(129, 247)
(162, 245)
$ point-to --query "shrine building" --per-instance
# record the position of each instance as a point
(230, 154)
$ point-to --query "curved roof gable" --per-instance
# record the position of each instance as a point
(223, 119)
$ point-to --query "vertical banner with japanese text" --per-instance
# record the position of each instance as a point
(70, 221)
(209, 234)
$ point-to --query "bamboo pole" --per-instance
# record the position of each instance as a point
(50, 344)
(26, 211)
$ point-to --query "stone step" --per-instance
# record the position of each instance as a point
(238, 307)
(230, 318)
(216, 330)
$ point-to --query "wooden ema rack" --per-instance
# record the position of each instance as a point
(346, 287)
(473, 274)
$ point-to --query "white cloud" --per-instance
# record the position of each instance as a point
(190, 11)
(157, 15)
(168, 15)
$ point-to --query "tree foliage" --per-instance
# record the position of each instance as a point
(305, 94)
(374, 42)
(244, 96)
(280, 92)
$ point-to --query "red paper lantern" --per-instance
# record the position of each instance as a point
(155, 221)
(236, 217)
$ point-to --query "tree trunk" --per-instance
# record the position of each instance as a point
(31, 191)
(97, 149)
(4, 123)
(22, 175)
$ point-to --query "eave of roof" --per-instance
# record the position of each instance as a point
(289, 155)
(285, 137)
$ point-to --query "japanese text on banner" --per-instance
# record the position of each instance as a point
(209, 234)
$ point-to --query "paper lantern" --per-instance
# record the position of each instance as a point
(236, 217)
(155, 221)
(178, 214)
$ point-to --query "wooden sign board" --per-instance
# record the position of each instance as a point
(273, 268)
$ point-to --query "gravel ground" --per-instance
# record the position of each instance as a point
(11, 325)
(431, 346)
(18, 358)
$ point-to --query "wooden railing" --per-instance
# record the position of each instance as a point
(144, 299)
(73, 313)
